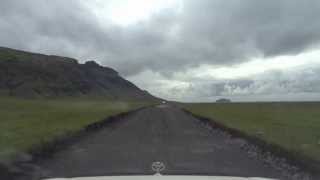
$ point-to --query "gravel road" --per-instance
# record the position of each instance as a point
(166, 134)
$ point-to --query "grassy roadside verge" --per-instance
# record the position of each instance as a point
(292, 126)
(28, 123)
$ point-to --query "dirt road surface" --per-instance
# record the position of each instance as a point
(166, 134)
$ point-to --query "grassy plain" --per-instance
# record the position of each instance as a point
(294, 126)
(26, 123)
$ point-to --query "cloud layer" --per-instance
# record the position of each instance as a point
(205, 32)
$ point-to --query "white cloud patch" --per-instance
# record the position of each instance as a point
(274, 79)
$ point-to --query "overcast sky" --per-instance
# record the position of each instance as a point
(186, 50)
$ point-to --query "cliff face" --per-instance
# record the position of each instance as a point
(25, 74)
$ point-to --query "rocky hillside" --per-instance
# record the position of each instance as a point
(25, 74)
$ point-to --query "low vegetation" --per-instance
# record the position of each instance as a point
(293, 126)
(26, 123)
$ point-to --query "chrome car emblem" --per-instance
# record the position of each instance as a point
(158, 167)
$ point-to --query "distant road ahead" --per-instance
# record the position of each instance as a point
(163, 133)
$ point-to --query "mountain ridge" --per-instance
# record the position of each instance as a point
(26, 74)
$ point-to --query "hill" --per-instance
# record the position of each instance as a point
(25, 74)
(223, 100)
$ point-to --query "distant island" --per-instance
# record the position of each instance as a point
(223, 100)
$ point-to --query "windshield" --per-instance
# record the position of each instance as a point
(199, 88)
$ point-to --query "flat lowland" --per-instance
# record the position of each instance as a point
(294, 126)
(28, 123)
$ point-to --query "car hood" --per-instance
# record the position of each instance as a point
(160, 177)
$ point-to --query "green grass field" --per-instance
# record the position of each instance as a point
(293, 126)
(25, 123)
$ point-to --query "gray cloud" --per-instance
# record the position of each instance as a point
(47, 26)
(213, 32)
